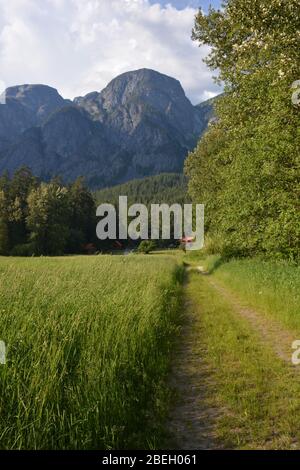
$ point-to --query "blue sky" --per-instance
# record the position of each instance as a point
(79, 46)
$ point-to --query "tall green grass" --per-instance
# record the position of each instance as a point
(87, 350)
(254, 397)
(271, 286)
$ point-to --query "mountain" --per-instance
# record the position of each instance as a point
(141, 124)
(39, 100)
(22, 108)
(206, 108)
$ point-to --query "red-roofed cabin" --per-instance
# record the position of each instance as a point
(186, 240)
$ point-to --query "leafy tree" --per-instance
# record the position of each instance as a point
(5, 182)
(82, 216)
(246, 168)
(47, 220)
(18, 190)
(44, 219)
(4, 238)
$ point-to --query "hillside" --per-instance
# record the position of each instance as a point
(166, 188)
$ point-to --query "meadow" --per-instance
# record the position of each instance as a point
(252, 395)
(88, 342)
(247, 358)
(91, 340)
(273, 287)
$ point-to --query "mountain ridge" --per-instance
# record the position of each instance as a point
(140, 124)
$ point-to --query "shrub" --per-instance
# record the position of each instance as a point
(146, 246)
(25, 249)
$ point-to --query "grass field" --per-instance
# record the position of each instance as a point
(88, 341)
(254, 387)
(272, 287)
(256, 394)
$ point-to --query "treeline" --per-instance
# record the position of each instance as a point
(52, 219)
(246, 167)
(168, 188)
(38, 218)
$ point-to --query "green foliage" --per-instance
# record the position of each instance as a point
(48, 210)
(25, 249)
(82, 216)
(4, 241)
(44, 219)
(166, 188)
(246, 168)
(4, 238)
(18, 190)
(146, 246)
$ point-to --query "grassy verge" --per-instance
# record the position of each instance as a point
(258, 395)
(88, 341)
(271, 287)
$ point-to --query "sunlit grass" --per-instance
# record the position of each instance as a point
(255, 394)
(88, 342)
(272, 287)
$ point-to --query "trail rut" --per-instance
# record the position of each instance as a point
(191, 422)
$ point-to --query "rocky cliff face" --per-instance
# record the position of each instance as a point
(141, 124)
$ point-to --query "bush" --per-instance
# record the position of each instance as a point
(25, 249)
(146, 246)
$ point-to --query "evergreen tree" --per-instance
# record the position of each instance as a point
(20, 186)
(48, 218)
(4, 239)
(82, 217)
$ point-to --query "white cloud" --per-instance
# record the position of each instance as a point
(207, 95)
(2, 86)
(78, 46)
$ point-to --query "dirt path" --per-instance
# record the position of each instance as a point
(272, 333)
(191, 422)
